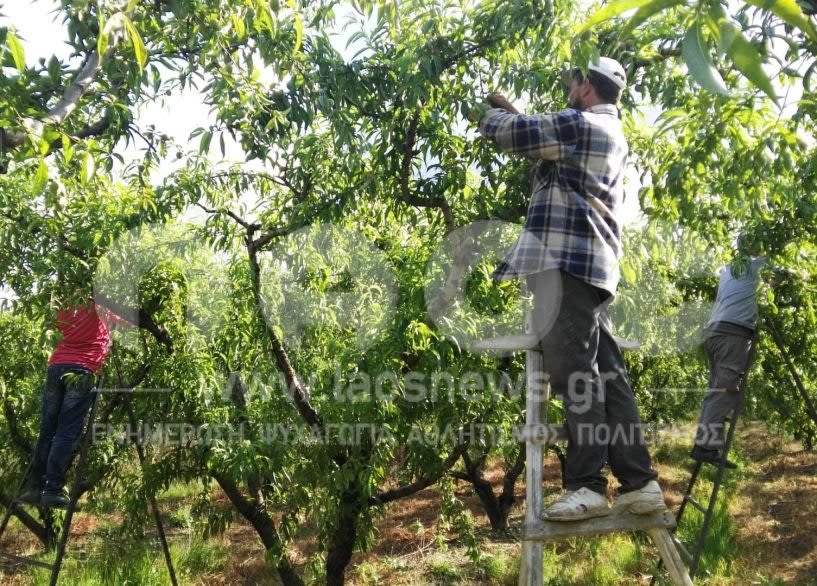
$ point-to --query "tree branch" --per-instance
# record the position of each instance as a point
(420, 483)
(11, 139)
(264, 526)
(798, 383)
(144, 319)
(405, 176)
(73, 93)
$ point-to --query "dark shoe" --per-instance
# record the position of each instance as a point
(710, 456)
(57, 499)
(32, 496)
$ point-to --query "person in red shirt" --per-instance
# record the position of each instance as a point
(71, 377)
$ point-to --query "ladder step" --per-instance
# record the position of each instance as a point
(507, 343)
(681, 549)
(27, 561)
(691, 500)
(612, 523)
(543, 433)
(520, 342)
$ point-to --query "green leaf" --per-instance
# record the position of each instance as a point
(238, 27)
(67, 149)
(628, 273)
(88, 169)
(611, 10)
(113, 24)
(139, 49)
(789, 12)
(17, 52)
(749, 62)
(699, 64)
(204, 145)
(646, 11)
(103, 39)
(41, 177)
(264, 17)
(299, 33)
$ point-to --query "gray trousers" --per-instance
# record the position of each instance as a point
(586, 368)
(728, 355)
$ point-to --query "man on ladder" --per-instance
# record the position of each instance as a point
(569, 253)
(67, 396)
(727, 340)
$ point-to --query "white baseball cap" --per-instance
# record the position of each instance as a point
(611, 69)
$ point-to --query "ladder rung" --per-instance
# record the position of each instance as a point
(681, 549)
(691, 500)
(612, 523)
(27, 561)
(513, 343)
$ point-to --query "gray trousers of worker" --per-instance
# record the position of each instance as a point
(585, 367)
(728, 355)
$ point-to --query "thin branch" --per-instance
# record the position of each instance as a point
(244, 223)
(148, 142)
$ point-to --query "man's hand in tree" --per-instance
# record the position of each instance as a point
(501, 102)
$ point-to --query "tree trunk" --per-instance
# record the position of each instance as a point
(342, 541)
(497, 508)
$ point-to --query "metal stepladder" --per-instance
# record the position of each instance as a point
(75, 494)
(538, 434)
(694, 559)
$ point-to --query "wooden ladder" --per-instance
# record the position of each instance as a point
(537, 434)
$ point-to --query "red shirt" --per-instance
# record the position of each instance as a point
(86, 336)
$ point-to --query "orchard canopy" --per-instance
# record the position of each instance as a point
(316, 255)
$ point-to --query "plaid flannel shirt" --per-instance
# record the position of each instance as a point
(577, 189)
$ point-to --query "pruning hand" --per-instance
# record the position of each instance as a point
(501, 102)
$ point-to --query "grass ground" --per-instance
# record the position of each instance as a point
(765, 534)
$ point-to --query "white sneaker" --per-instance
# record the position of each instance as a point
(575, 505)
(644, 501)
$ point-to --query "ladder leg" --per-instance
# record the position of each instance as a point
(75, 490)
(672, 560)
(531, 567)
(13, 504)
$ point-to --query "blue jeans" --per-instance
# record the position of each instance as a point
(587, 370)
(66, 400)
